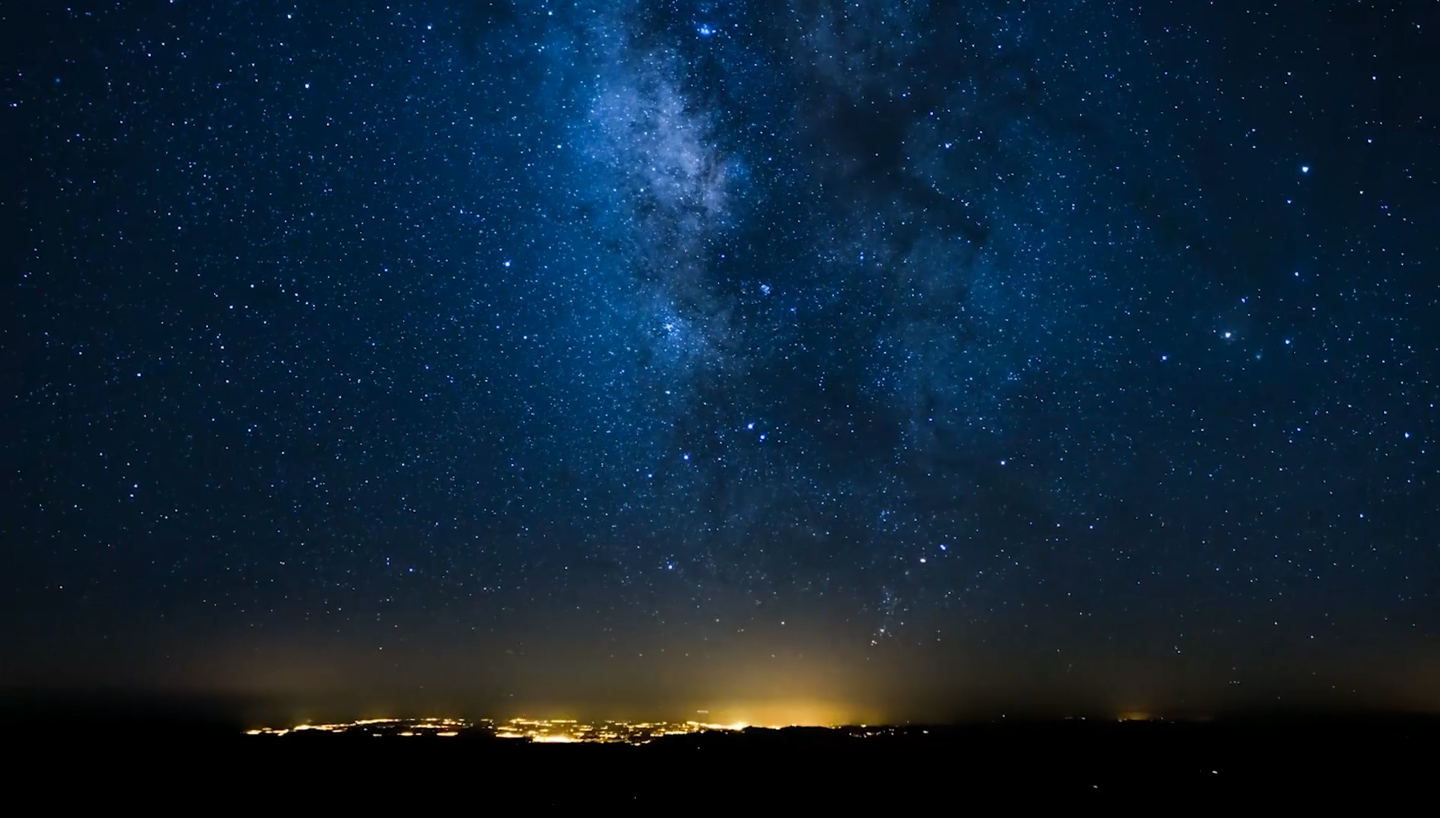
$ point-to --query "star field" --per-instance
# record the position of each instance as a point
(645, 352)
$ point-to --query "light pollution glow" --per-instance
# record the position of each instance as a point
(771, 714)
(540, 731)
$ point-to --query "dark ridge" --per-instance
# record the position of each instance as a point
(101, 714)
(1383, 759)
(114, 741)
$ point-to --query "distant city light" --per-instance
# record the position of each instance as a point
(540, 731)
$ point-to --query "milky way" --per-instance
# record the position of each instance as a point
(504, 336)
(864, 266)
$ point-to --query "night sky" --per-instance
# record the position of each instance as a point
(867, 359)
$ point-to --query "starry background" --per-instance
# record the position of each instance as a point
(880, 356)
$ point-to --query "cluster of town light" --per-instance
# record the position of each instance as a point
(544, 731)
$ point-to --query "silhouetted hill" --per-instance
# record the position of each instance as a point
(143, 747)
(42, 716)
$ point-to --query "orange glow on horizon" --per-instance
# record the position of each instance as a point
(788, 713)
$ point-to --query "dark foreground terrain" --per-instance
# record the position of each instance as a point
(184, 758)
